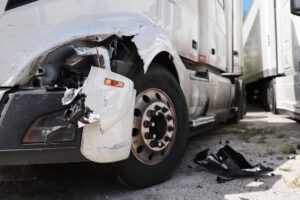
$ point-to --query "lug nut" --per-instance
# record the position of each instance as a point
(167, 139)
(154, 136)
(148, 135)
(147, 124)
(151, 113)
(165, 109)
(157, 108)
(153, 143)
(169, 118)
(170, 128)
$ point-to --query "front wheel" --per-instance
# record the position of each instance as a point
(159, 130)
(240, 102)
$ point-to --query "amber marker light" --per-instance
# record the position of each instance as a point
(114, 83)
(202, 59)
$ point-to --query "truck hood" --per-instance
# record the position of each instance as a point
(20, 49)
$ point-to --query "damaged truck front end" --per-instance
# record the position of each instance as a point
(71, 108)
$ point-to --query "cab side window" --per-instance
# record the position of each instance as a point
(11, 4)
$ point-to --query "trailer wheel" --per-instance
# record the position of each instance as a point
(240, 102)
(159, 131)
(271, 97)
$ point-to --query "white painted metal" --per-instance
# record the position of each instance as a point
(180, 20)
(24, 40)
(238, 60)
(288, 86)
(272, 49)
(185, 28)
(259, 41)
(213, 33)
(234, 22)
(109, 139)
(2, 6)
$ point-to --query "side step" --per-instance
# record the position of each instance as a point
(202, 120)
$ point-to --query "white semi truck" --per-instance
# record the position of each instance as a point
(116, 81)
(272, 54)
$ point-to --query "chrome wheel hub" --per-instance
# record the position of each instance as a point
(154, 128)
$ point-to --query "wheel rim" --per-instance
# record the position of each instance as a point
(154, 127)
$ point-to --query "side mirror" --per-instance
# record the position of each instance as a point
(295, 7)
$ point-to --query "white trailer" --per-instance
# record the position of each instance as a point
(272, 54)
(116, 81)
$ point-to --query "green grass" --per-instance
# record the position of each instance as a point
(296, 182)
(288, 149)
(243, 128)
(246, 132)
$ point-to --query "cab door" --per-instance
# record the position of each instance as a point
(180, 19)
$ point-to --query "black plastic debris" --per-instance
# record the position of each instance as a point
(229, 163)
(272, 174)
(291, 157)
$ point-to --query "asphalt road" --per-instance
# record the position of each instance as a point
(261, 137)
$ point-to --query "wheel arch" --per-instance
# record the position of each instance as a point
(165, 59)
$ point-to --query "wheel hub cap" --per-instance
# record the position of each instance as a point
(154, 128)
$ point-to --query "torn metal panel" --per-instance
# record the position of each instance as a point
(23, 48)
(228, 162)
(109, 138)
(2, 92)
(70, 95)
(99, 51)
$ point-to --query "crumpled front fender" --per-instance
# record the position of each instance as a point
(109, 138)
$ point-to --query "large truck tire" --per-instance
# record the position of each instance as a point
(240, 102)
(159, 132)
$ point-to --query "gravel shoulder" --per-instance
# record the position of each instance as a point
(261, 137)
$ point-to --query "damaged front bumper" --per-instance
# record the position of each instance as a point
(34, 130)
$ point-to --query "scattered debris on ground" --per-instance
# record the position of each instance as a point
(229, 163)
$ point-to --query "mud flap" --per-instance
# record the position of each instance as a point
(108, 138)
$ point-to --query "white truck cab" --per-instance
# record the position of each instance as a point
(116, 82)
